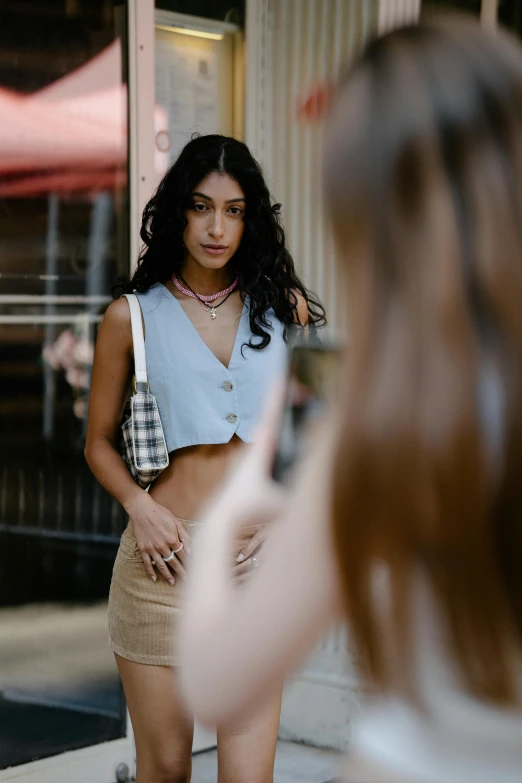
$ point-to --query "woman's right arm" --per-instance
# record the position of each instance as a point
(111, 375)
(157, 530)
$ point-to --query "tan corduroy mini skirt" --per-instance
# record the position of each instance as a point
(144, 615)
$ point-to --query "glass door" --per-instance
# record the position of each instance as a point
(64, 231)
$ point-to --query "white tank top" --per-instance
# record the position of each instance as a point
(458, 739)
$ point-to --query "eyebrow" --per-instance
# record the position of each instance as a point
(207, 198)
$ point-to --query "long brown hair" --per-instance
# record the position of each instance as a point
(424, 185)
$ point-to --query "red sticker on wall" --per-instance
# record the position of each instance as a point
(316, 104)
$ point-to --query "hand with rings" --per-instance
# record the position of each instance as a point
(162, 539)
(173, 560)
(173, 553)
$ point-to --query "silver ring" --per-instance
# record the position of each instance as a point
(255, 562)
(173, 552)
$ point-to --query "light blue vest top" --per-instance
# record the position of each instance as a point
(199, 399)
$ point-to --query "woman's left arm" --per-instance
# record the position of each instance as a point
(237, 644)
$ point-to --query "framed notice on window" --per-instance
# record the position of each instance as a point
(196, 69)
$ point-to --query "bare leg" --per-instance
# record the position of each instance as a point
(362, 770)
(162, 728)
(246, 752)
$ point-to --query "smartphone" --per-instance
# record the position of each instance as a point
(312, 377)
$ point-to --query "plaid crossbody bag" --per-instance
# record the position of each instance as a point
(143, 442)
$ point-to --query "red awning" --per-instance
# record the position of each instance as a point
(70, 136)
(83, 181)
(37, 135)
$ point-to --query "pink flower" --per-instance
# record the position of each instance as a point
(80, 407)
(77, 377)
(49, 356)
(84, 351)
(63, 349)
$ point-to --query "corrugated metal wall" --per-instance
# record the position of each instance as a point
(291, 46)
(393, 13)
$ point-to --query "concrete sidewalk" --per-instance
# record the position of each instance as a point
(294, 764)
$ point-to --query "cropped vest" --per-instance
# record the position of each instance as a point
(199, 399)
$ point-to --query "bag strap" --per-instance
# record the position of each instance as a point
(140, 364)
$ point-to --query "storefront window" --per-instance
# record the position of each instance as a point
(63, 240)
(510, 15)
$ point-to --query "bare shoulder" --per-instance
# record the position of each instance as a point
(116, 325)
(117, 318)
(118, 313)
(301, 316)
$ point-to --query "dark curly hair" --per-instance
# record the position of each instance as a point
(265, 267)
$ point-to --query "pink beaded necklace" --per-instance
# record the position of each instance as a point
(207, 299)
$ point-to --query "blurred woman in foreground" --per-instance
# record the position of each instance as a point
(406, 515)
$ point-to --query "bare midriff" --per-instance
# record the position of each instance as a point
(193, 475)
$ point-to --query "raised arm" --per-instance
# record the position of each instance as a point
(238, 644)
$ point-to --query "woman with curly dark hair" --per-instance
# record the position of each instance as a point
(219, 297)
